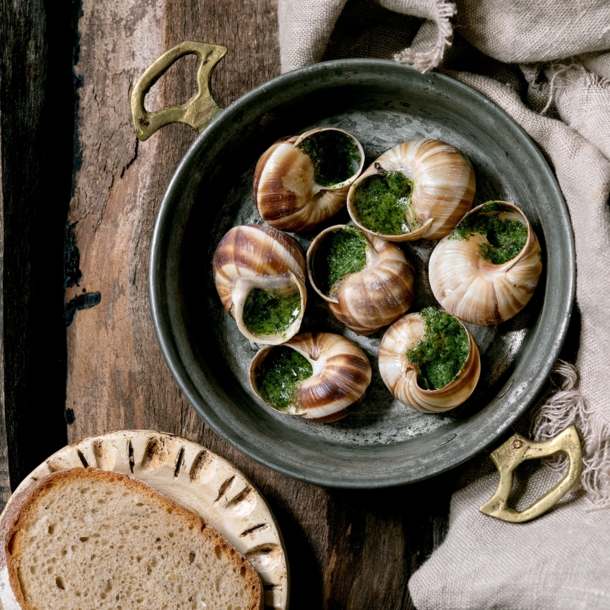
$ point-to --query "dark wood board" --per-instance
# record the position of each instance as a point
(36, 138)
(347, 549)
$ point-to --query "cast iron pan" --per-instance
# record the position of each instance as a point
(382, 443)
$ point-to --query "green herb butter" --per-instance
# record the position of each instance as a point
(334, 154)
(505, 238)
(282, 370)
(341, 252)
(441, 353)
(270, 313)
(383, 203)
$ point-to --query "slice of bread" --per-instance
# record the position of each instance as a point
(84, 539)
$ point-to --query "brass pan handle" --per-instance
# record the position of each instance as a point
(517, 449)
(198, 111)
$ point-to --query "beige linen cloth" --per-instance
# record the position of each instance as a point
(547, 64)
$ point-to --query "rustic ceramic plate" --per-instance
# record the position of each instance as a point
(383, 442)
(197, 479)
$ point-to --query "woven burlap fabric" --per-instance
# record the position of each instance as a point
(520, 31)
(558, 562)
(546, 64)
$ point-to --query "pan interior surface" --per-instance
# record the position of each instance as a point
(382, 442)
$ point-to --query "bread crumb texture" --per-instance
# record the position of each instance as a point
(98, 540)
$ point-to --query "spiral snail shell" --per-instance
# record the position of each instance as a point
(300, 181)
(419, 189)
(449, 344)
(486, 270)
(366, 281)
(259, 273)
(316, 376)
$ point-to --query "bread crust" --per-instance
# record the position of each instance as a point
(22, 504)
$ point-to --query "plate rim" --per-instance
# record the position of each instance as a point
(125, 452)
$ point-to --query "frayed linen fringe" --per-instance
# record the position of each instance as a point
(441, 13)
(573, 73)
(563, 406)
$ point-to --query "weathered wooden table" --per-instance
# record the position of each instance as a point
(74, 175)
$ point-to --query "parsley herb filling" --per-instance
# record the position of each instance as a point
(383, 203)
(341, 253)
(505, 238)
(334, 154)
(279, 375)
(441, 353)
(270, 312)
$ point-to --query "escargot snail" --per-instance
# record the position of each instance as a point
(301, 181)
(317, 376)
(419, 189)
(486, 270)
(259, 273)
(366, 281)
(429, 361)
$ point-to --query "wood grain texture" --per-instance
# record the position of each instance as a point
(346, 549)
(36, 118)
(378, 539)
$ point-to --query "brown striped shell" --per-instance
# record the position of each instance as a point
(286, 193)
(252, 256)
(400, 375)
(478, 291)
(374, 297)
(341, 375)
(443, 186)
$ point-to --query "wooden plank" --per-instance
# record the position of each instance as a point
(378, 538)
(36, 119)
(117, 376)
